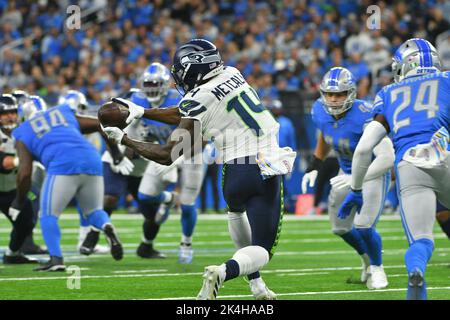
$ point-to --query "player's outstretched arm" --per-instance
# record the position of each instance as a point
(23, 179)
(362, 157)
(166, 115)
(183, 140)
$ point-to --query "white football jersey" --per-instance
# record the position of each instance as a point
(7, 180)
(231, 115)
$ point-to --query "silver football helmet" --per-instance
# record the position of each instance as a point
(415, 57)
(29, 108)
(76, 100)
(338, 79)
(155, 82)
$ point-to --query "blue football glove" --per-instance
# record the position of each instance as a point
(353, 199)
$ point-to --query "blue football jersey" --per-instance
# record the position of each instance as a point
(415, 108)
(53, 137)
(157, 131)
(343, 134)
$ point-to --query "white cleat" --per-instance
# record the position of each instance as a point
(213, 278)
(365, 264)
(186, 254)
(102, 249)
(377, 278)
(261, 291)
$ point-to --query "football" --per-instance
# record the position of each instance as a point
(112, 114)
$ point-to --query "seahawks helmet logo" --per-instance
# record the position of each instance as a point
(193, 58)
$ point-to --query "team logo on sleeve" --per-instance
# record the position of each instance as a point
(191, 108)
(365, 107)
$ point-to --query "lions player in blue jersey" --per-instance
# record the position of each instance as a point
(341, 119)
(155, 202)
(54, 138)
(412, 110)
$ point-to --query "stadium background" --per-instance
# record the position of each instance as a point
(283, 48)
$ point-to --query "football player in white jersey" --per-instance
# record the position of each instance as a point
(24, 222)
(219, 105)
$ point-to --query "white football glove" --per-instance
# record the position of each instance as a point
(136, 112)
(341, 181)
(125, 167)
(13, 213)
(309, 177)
(113, 133)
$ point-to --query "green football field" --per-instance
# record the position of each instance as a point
(310, 263)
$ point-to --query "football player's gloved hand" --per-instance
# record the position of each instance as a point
(353, 199)
(310, 175)
(136, 112)
(14, 210)
(209, 153)
(341, 181)
(310, 178)
(124, 167)
(114, 134)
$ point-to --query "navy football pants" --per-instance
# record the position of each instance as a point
(24, 224)
(245, 190)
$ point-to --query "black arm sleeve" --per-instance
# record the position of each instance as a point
(316, 164)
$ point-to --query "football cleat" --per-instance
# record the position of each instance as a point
(186, 253)
(365, 273)
(417, 289)
(260, 290)
(87, 247)
(30, 247)
(114, 242)
(18, 258)
(377, 278)
(146, 251)
(54, 264)
(213, 279)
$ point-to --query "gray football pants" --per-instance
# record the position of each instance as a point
(58, 190)
(374, 195)
(418, 189)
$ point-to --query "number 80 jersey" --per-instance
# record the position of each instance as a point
(231, 115)
(415, 108)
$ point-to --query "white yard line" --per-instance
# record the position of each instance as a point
(305, 293)
(310, 270)
(140, 271)
(211, 217)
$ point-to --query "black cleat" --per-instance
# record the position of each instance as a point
(88, 246)
(30, 247)
(114, 242)
(18, 258)
(54, 264)
(416, 288)
(146, 251)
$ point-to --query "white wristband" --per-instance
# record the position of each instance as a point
(16, 162)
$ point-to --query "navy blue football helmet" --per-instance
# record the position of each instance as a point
(195, 62)
(8, 104)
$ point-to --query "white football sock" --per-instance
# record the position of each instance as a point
(186, 239)
(167, 196)
(239, 229)
(146, 241)
(251, 259)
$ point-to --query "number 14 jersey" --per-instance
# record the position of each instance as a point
(231, 115)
